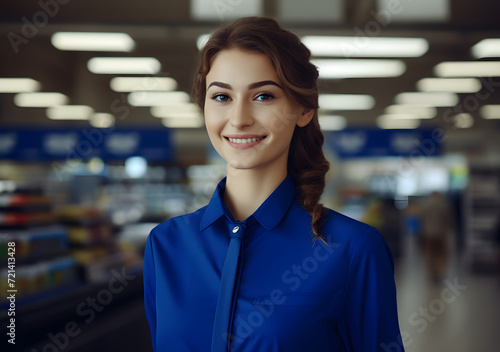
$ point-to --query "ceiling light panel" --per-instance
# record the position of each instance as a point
(148, 98)
(177, 110)
(182, 123)
(366, 46)
(346, 101)
(358, 68)
(224, 10)
(129, 84)
(18, 85)
(456, 85)
(467, 69)
(202, 40)
(329, 11)
(463, 120)
(427, 98)
(389, 122)
(92, 41)
(409, 11)
(124, 65)
(416, 111)
(40, 99)
(332, 122)
(101, 120)
(69, 112)
(490, 111)
(486, 48)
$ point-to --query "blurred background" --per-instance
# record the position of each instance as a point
(99, 142)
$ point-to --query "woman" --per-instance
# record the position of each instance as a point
(264, 266)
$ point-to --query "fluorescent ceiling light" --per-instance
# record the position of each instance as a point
(427, 99)
(416, 111)
(342, 68)
(40, 99)
(486, 48)
(182, 123)
(467, 69)
(457, 85)
(395, 12)
(366, 46)
(388, 122)
(400, 116)
(175, 110)
(210, 10)
(346, 102)
(129, 84)
(149, 98)
(18, 85)
(183, 115)
(202, 40)
(124, 65)
(102, 120)
(490, 111)
(332, 122)
(463, 120)
(92, 41)
(317, 11)
(69, 112)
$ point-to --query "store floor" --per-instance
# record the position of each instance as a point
(460, 313)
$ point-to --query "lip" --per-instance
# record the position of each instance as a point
(243, 146)
(243, 136)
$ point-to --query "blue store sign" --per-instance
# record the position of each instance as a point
(357, 143)
(107, 144)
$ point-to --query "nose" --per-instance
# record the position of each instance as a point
(241, 115)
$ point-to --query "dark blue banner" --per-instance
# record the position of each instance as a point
(67, 144)
(356, 143)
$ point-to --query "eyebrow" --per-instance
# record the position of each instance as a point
(250, 86)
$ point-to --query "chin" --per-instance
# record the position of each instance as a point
(240, 165)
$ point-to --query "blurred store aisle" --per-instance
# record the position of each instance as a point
(459, 313)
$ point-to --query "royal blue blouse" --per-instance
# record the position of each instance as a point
(291, 293)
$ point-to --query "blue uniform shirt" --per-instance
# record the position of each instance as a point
(291, 293)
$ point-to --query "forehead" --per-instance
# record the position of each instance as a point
(236, 66)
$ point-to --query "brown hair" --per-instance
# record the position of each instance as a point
(307, 164)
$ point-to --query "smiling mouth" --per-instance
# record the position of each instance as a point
(244, 140)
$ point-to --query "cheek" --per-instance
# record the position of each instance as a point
(281, 118)
(282, 123)
(212, 124)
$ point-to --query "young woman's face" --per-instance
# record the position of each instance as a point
(249, 119)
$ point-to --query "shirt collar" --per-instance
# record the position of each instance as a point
(269, 214)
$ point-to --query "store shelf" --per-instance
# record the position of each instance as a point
(50, 311)
(482, 216)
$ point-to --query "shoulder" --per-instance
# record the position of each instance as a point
(334, 220)
(336, 226)
(344, 227)
(177, 223)
(358, 237)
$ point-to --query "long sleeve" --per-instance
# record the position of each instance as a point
(370, 320)
(149, 276)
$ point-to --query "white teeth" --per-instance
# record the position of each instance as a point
(246, 140)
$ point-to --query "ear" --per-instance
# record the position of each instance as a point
(305, 117)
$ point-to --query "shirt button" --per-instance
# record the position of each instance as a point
(236, 229)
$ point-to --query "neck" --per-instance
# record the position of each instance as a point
(247, 189)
